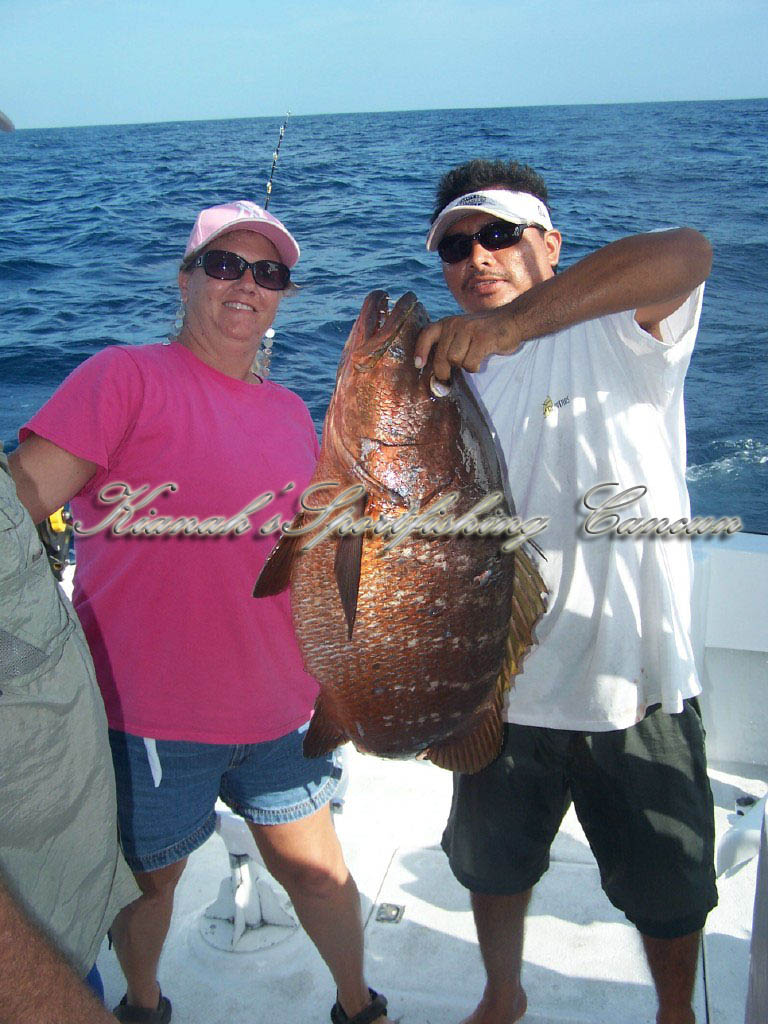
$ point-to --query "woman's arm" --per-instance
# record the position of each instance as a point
(46, 476)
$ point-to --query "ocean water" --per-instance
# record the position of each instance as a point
(94, 221)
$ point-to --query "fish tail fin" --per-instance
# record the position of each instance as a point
(475, 749)
(323, 735)
(528, 605)
(275, 574)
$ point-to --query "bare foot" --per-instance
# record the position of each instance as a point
(684, 1015)
(498, 1011)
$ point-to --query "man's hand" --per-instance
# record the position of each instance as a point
(467, 341)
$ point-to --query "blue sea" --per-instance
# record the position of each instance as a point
(94, 221)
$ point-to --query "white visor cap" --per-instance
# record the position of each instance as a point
(515, 207)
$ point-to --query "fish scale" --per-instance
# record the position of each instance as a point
(413, 646)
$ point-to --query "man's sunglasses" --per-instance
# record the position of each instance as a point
(498, 234)
(228, 266)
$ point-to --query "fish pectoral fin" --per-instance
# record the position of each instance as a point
(275, 574)
(473, 750)
(323, 735)
(349, 556)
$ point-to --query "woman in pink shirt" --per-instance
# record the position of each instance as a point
(181, 460)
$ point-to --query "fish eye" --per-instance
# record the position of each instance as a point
(439, 388)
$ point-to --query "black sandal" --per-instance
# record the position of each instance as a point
(140, 1015)
(375, 1009)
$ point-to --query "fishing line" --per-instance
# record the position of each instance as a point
(264, 355)
(274, 159)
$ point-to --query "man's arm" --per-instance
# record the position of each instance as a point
(37, 986)
(652, 274)
(46, 476)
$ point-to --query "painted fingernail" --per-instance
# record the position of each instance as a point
(418, 362)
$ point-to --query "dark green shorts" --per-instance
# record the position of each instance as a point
(643, 799)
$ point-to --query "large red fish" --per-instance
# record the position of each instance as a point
(412, 646)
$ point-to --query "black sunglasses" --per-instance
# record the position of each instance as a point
(498, 234)
(228, 266)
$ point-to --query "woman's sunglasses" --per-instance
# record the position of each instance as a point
(228, 266)
(498, 234)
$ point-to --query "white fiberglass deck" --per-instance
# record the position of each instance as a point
(583, 961)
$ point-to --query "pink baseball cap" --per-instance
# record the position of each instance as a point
(242, 215)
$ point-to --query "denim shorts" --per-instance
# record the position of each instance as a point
(268, 783)
(643, 799)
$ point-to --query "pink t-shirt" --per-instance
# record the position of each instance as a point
(182, 650)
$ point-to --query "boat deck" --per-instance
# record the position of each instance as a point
(583, 961)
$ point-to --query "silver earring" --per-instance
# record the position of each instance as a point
(262, 358)
(178, 323)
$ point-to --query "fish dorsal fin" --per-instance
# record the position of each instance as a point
(349, 556)
(323, 734)
(528, 605)
(275, 574)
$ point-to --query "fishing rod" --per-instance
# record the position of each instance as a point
(264, 354)
(274, 159)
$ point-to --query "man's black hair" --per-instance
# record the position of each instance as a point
(476, 175)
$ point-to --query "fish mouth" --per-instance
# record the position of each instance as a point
(384, 330)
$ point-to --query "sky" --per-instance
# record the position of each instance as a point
(83, 62)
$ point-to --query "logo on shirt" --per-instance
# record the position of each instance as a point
(548, 406)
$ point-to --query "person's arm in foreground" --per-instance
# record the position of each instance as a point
(652, 274)
(37, 985)
(46, 476)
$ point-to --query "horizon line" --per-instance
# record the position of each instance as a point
(398, 110)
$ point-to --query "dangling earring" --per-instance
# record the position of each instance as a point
(178, 323)
(260, 364)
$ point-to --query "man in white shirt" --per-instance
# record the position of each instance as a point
(581, 374)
